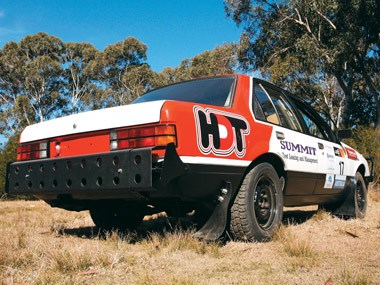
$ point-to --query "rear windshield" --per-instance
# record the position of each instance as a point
(211, 91)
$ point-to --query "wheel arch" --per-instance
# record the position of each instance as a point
(361, 170)
(272, 159)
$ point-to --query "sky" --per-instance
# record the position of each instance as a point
(172, 29)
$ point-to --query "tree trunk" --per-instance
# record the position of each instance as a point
(347, 89)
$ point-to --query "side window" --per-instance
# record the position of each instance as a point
(271, 106)
(268, 112)
(311, 126)
(284, 110)
(316, 125)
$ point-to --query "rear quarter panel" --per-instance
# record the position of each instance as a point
(218, 135)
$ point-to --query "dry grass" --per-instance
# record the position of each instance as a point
(42, 245)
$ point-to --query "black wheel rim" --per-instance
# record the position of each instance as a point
(360, 196)
(264, 202)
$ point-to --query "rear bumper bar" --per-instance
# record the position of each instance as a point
(119, 170)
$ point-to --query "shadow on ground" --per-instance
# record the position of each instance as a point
(165, 225)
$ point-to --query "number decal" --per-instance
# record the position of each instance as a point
(341, 167)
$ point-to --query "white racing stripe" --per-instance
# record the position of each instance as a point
(109, 118)
(214, 161)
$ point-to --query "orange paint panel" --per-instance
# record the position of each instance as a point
(80, 145)
(185, 115)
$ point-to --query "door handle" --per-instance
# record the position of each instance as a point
(321, 146)
(280, 135)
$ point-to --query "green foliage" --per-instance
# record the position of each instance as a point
(30, 82)
(123, 70)
(221, 60)
(7, 154)
(366, 140)
(323, 46)
(80, 79)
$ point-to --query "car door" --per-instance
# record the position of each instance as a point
(298, 150)
(332, 159)
(332, 166)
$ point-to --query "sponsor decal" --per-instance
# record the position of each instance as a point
(329, 181)
(220, 133)
(340, 181)
(351, 153)
(338, 152)
(298, 148)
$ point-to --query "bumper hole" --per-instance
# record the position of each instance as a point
(83, 182)
(30, 184)
(116, 180)
(17, 170)
(69, 183)
(115, 161)
(138, 178)
(17, 185)
(69, 165)
(42, 168)
(83, 163)
(137, 159)
(30, 168)
(99, 181)
(99, 162)
(55, 167)
(55, 183)
(42, 185)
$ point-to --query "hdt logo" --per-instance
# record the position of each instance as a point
(220, 133)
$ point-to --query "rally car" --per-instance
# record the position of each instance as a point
(234, 149)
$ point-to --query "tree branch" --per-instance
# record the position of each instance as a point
(327, 19)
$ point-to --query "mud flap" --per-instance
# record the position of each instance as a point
(173, 166)
(347, 209)
(214, 228)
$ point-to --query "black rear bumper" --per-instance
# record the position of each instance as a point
(118, 171)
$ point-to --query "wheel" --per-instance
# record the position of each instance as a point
(256, 213)
(360, 198)
(122, 217)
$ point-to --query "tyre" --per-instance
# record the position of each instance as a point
(117, 217)
(256, 213)
(360, 198)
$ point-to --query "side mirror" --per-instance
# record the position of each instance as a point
(344, 134)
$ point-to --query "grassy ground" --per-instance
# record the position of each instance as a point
(42, 245)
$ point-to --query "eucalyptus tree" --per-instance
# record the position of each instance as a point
(31, 81)
(123, 71)
(336, 41)
(81, 83)
(220, 60)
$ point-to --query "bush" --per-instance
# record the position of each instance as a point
(7, 154)
(366, 140)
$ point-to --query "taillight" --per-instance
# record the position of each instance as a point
(153, 136)
(32, 151)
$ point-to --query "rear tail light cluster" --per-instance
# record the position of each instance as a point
(32, 151)
(153, 136)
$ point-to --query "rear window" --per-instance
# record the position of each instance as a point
(215, 91)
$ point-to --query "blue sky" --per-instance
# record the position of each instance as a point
(172, 29)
